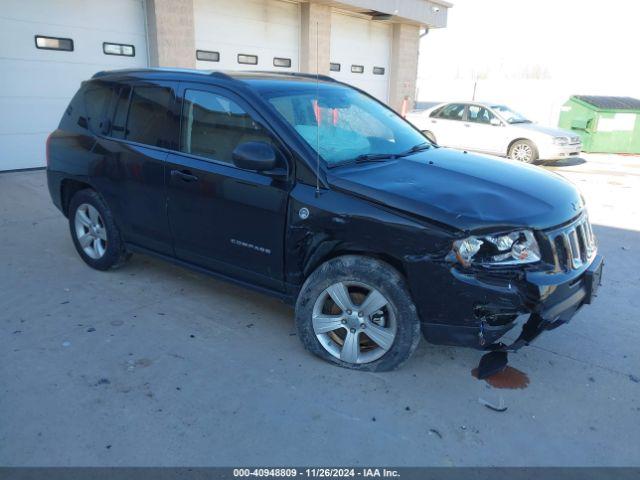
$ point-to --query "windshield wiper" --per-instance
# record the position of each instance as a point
(416, 148)
(374, 157)
(366, 157)
(383, 157)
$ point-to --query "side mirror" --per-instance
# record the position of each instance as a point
(258, 156)
(495, 122)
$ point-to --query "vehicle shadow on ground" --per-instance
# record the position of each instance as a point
(566, 162)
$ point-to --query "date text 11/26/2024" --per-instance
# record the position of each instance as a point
(316, 472)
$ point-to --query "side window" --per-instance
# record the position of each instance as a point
(453, 111)
(478, 114)
(119, 112)
(149, 120)
(213, 125)
(96, 100)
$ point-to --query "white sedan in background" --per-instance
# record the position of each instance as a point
(494, 129)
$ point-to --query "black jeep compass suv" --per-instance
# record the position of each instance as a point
(311, 190)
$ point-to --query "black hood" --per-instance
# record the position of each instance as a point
(465, 191)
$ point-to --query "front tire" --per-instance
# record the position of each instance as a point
(356, 312)
(94, 231)
(523, 151)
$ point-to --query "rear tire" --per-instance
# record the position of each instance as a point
(430, 136)
(373, 325)
(523, 151)
(94, 231)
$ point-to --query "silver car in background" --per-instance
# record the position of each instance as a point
(494, 129)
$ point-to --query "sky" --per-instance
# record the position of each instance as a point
(578, 46)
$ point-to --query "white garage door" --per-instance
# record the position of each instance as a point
(360, 49)
(36, 84)
(247, 35)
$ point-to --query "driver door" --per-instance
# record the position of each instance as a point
(222, 217)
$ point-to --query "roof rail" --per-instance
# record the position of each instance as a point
(103, 73)
(221, 74)
(312, 76)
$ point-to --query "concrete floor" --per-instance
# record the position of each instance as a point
(154, 365)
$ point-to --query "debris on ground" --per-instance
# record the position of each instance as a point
(501, 407)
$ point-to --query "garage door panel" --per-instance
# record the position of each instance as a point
(21, 115)
(22, 151)
(36, 85)
(18, 42)
(117, 16)
(45, 79)
(359, 41)
(266, 28)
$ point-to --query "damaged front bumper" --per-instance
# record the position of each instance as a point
(490, 305)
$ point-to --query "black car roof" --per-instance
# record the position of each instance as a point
(247, 77)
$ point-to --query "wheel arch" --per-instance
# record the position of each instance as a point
(316, 260)
(68, 188)
(518, 139)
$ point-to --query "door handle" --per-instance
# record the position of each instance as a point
(433, 121)
(467, 125)
(184, 175)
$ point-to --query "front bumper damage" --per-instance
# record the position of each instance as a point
(549, 317)
(490, 307)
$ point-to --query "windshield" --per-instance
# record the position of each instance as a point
(509, 115)
(342, 124)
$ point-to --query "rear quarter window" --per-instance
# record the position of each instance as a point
(96, 99)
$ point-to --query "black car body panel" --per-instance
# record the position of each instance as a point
(270, 230)
(466, 191)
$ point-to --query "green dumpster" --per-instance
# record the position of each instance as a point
(605, 124)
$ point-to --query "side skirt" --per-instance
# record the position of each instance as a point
(288, 296)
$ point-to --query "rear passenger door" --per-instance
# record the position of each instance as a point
(141, 127)
(222, 217)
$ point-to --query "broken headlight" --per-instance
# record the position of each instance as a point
(514, 248)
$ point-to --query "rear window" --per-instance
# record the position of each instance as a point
(150, 121)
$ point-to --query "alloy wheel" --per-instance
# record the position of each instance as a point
(354, 322)
(90, 231)
(522, 152)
